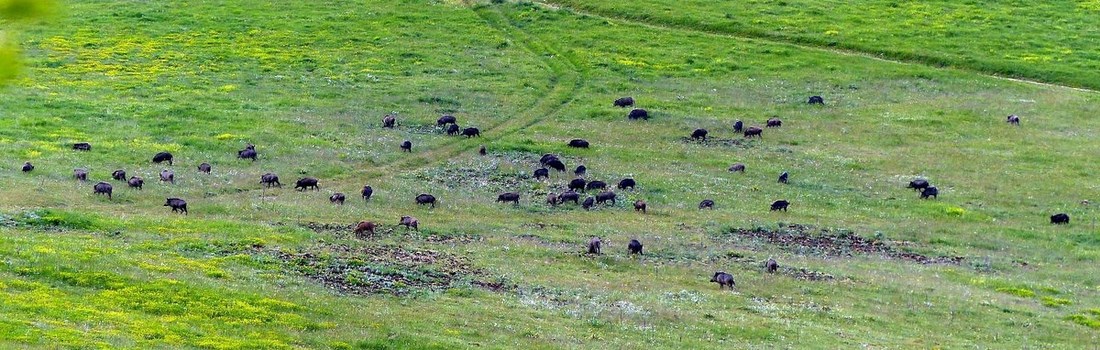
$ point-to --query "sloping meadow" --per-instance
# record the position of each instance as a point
(308, 84)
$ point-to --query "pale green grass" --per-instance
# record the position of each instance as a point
(308, 84)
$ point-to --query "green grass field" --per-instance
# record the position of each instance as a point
(308, 84)
(1031, 40)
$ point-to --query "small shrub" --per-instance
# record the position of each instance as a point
(1084, 321)
(1055, 302)
(1020, 292)
(954, 211)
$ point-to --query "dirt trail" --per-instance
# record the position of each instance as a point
(771, 39)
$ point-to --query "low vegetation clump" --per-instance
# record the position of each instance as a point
(385, 269)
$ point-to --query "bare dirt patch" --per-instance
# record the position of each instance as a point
(540, 225)
(378, 270)
(320, 227)
(494, 173)
(806, 240)
(342, 230)
(794, 272)
(721, 142)
(424, 129)
(545, 242)
(489, 176)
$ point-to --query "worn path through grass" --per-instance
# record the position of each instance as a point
(885, 56)
(565, 80)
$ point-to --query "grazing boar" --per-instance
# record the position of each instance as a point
(136, 182)
(546, 158)
(783, 177)
(640, 205)
(407, 146)
(624, 102)
(780, 205)
(367, 192)
(638, 113)
(816, 100)
(306, 183)
(552, 199)
(723, 279)
(626, 183)
(754, 131)
(577, 184)
(706, 204)
(699, 134)
(771, 266)
(588, 203)
(918, 184)
(27, 167)
(364, 226)
(1013, 119)
(594, 245)
(1059, 219)
(634, 246)
(452, 129)
(204, 168)
(119, 175)
(738, 126)
(595, 185)
(270, 180)
(446, 119)
(80, 174)
(425, 198)
(580, 170)
(481, 150)
(737, 167)
(471, 132)
(508, 197)
(162, 157)
(82, 146)
(103, 188)
(930, 191)
(774, 122)
(247, 153)
(168, 175)
(569, 196)
(337, 198)
(605, 196)
(578, 143)
(178, 205)
(542, 173)
(409, 222)
(556, 164)
(389, 121)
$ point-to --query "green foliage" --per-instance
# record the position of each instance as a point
(26, 9)
(1050, 301)
(1085, 320)
(1020, 292)
(9, 58)
(14, 11)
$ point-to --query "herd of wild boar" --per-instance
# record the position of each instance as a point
(576, 188)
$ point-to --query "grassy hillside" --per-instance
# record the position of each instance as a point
(863, 261)
(1033, 40)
